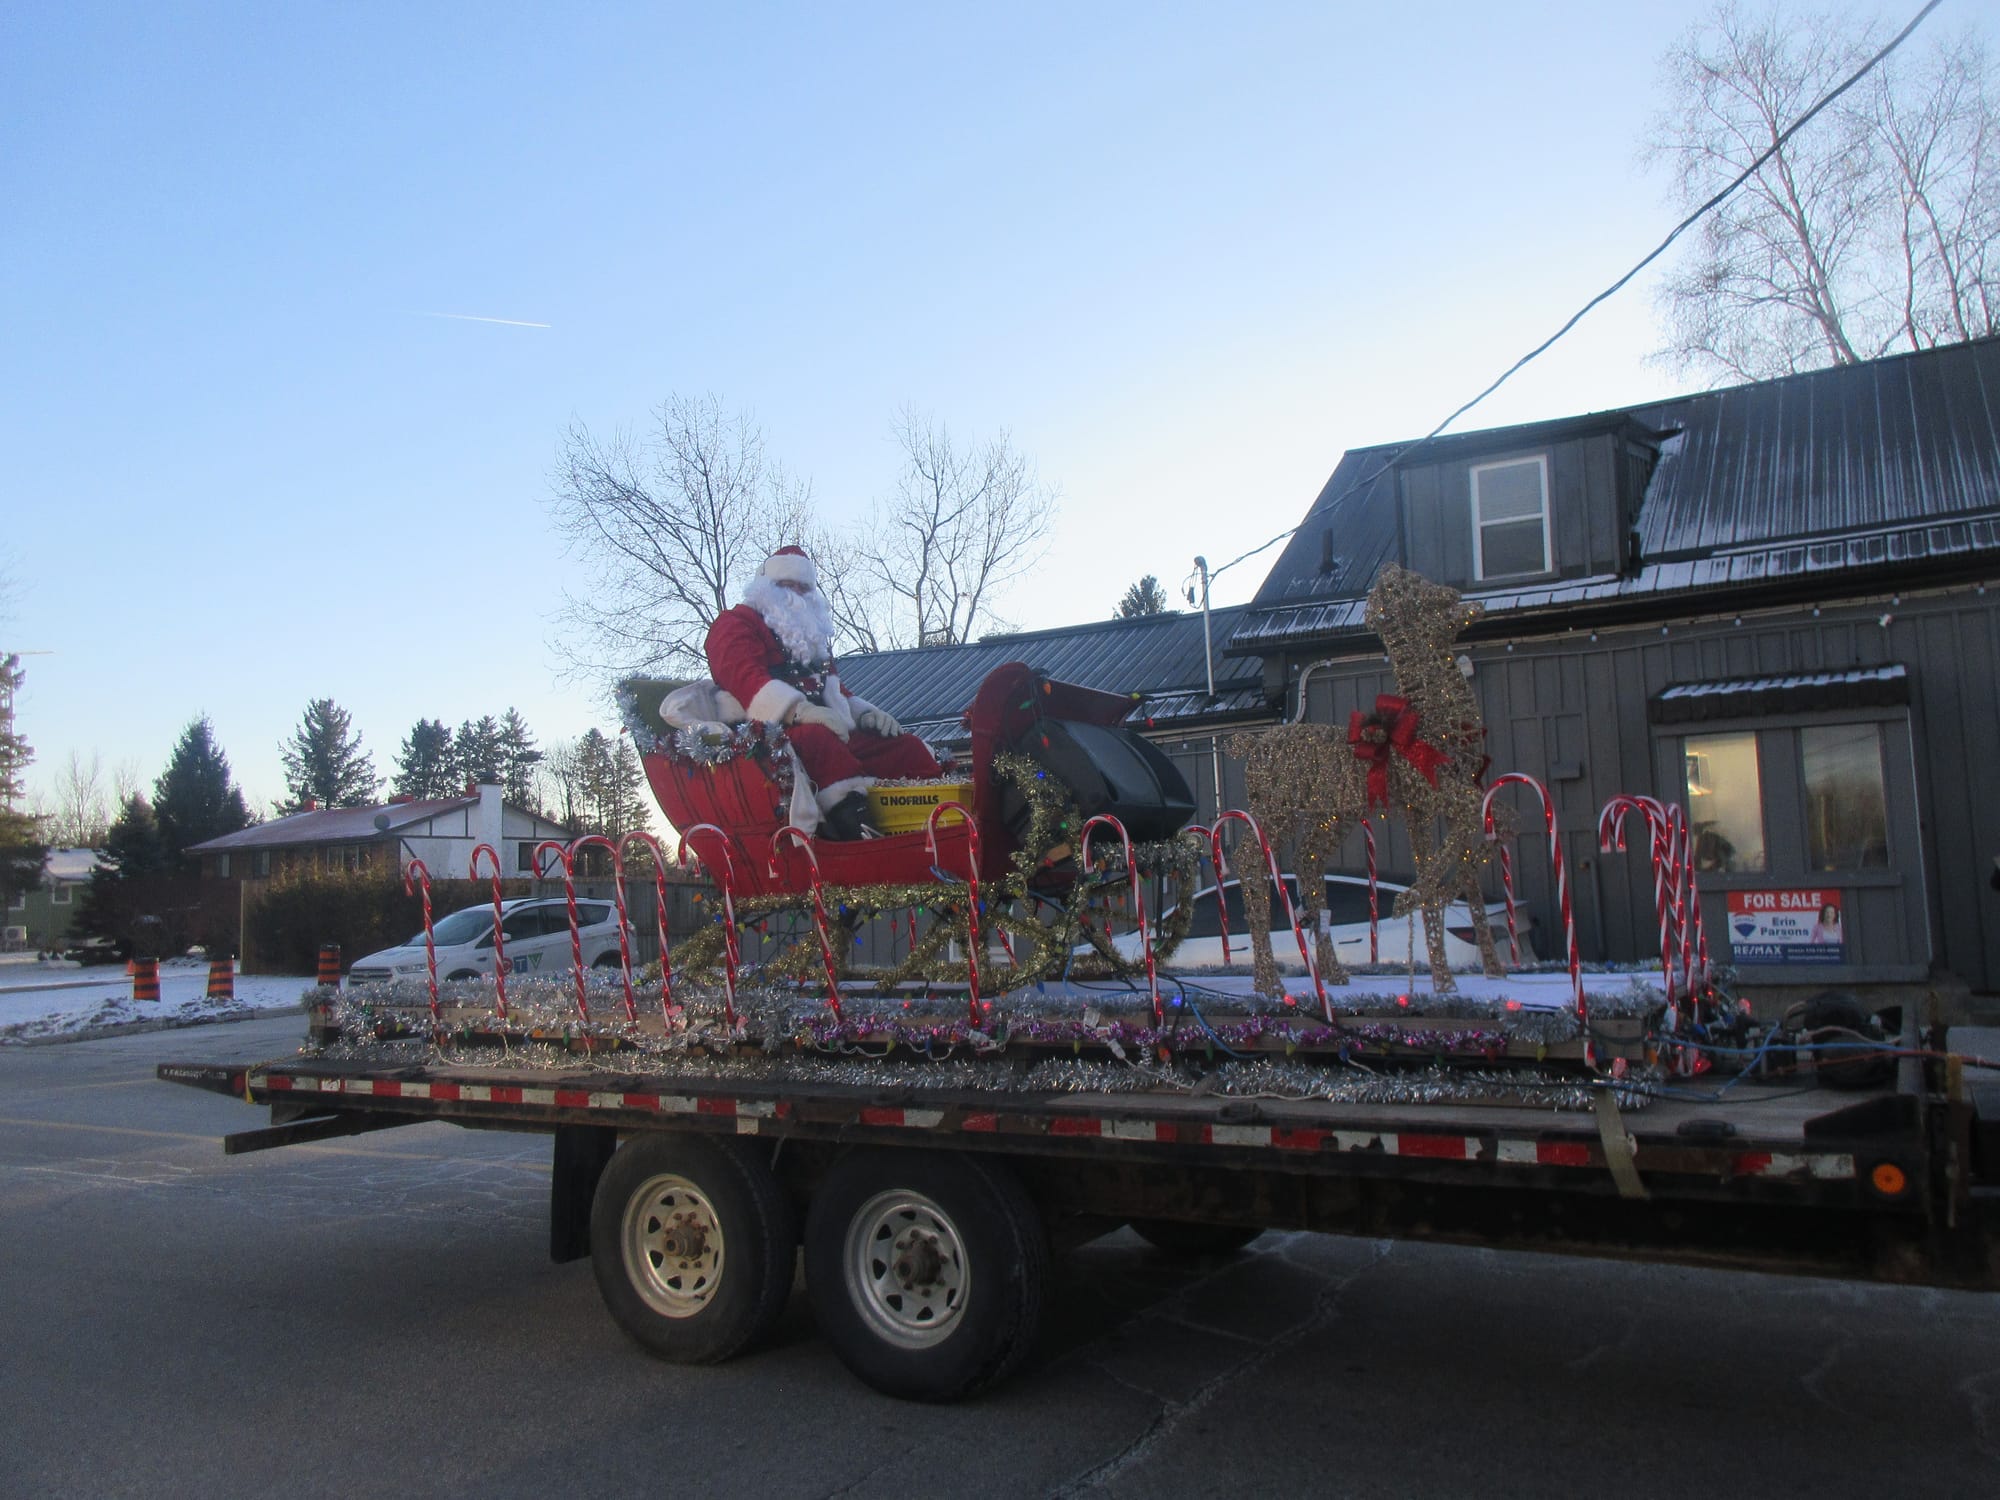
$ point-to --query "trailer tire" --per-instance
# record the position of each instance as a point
(693, 1244)
(1176, 1237)
(926, 1270)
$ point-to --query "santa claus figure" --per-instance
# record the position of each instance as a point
(774, 654)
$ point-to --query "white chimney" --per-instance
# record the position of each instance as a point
(486, 822)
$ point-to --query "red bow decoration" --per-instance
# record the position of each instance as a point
(1393, 726)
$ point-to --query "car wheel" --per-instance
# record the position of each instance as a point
(693, 1244)
(458, 974)
(606, 961)
(926, 1270)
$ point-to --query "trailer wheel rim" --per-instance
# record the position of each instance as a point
(907, 1270)
(673, 1245)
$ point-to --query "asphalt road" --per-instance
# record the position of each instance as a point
(378, 1316)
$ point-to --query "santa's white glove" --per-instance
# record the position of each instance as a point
(875, 721)
(805, 711)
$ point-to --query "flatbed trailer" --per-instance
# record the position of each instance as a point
(927, 1214)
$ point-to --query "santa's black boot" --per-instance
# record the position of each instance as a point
(847, 819)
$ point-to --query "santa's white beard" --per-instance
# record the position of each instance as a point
(803, 623)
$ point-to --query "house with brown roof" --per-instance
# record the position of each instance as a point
(442, 832)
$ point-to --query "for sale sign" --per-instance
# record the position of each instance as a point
(1787, 927)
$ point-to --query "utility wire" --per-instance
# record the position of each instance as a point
(1678, 230)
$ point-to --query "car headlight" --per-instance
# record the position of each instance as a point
(410, 968)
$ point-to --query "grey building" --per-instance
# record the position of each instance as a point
(1770, 603)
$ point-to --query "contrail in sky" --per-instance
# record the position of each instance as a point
(475, 318)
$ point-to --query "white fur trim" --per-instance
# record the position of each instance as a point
(829, 795)
(771, 702)
(838, 703)
(790, 568)
(805, 806)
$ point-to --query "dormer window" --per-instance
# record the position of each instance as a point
(1510, 518)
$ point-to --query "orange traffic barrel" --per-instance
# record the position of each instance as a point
(221, 979)
(329, 966)
(145, 979)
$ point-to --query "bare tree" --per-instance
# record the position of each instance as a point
(667, 523)
(77, 816)
(1869, 230)
(960, 523)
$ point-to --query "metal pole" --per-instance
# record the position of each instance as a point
(1208, 660)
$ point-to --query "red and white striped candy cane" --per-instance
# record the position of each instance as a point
(1374, 910)
(1507, 890)
(1611, 835)
(598, 840)
(1562, 892)
(727, 881)
(1284, 894)
(562, 854)
(804, 841)
(423, 875)
(668, 1010)
(499, 937)
(973, 949)
(1138, 898)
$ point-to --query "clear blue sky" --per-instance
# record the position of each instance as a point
(1185, 254)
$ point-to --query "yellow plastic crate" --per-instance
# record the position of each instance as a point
(907, 809)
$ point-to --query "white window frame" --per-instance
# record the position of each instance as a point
(1541, 461)
(59, 893)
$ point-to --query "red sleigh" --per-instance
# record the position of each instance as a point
(744, 797)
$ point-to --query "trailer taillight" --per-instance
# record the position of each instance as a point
(1888, 1179)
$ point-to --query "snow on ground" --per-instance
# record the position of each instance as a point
(48, 1000)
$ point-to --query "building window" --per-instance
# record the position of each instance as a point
(18, 901)
(524, 858)
(1510, 518)
(222, 866)
(260, 862)
(1847, 817)
(1725, 801)
(59, 894)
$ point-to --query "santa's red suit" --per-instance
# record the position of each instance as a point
(772, 653)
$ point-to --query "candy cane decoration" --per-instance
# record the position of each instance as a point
(804, 841)
(1284, 894)
(1138, 900)
(423, 874)
(668, 1010)
(499, 937)
(1692, 935)
(1611, 835)
(575, 938)
(1374, 946)
(598, 840)
(1562, 892)
(1507, 889)
(730, 952)
(973, 949)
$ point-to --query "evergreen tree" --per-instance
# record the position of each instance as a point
(595, 776)
(133, 846)
(1145, 597)
(423, 762)
(324, 761)
(518, 758)
(195, 799)
(21, 849)
(626, 808)
(476, 753)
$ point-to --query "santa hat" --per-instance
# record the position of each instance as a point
(790, 565)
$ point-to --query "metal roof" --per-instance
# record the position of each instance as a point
(1870, 469)
(1790, 692)
(1155, 658)
(333, 825)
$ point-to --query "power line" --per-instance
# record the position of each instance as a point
(1678, 230)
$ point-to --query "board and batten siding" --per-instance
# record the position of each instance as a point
(1571, 710)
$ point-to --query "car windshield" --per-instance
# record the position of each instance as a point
(460, 927)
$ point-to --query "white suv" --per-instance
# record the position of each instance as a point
(537, 942)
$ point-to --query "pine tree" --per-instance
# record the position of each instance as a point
(627, 782)
(324, 761)
(1143, 598)
(133, 846)
(518, 758)
(596, 775)
(195, 800)
(21, 849)
(476, 753)
(423, 762)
